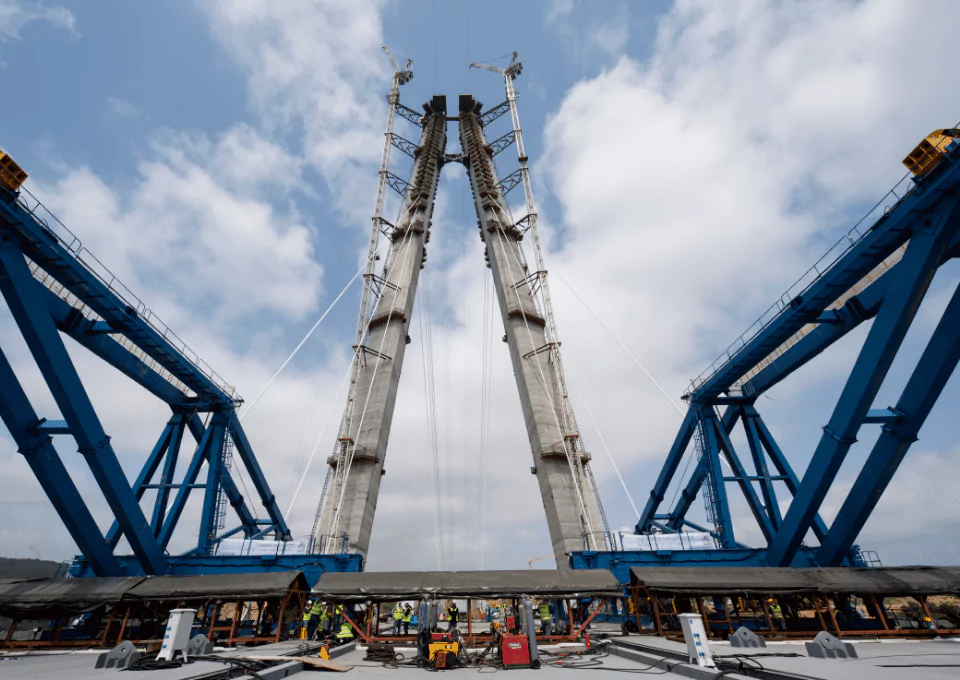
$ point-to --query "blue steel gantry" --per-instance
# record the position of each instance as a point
(55, 287)
(877, 273)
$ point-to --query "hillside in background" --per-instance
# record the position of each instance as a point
(19, 567)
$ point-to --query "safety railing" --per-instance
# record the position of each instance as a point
(52, 225)
(820, 268)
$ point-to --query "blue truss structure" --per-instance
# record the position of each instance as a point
(880, 273)
(55, 287)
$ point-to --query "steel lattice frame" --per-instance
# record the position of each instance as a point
(54, 287)
(877, 273)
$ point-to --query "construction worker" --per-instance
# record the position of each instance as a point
(305, 624)
(546, 618)
(777, 614)
(397, 618)
(323, 618)
(453, 612)
(346, 633)
(407, 615)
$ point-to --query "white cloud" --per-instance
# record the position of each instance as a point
(123, 108)
(315, 68)
(15, 14)
(593, 35)
(558, 9)
(192, 232)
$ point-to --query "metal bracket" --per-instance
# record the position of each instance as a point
(527, 220)
(494, 113)
(503, 143)
(509, 182)
(398, 184)
(405, 145)
(540, 350)
(410, 114)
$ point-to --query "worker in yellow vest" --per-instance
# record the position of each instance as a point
(397, 618)
(776, 613)
(407, 616)
(312, 615)
(546, 618)
(305, 625)
(346, 634)
(323, 619)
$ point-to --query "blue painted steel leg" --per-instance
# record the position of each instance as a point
(670, 466)
(247, 520)
(256, 476)
(208, 517)
(24, 296)
(912, 277)
(189, 479)
(791, 480)
(714, 477)
(146, 474)
(678, 515)
(169, 467)
(760, 464)
(689, 494)
(742, 478)
(935, 367)
(38, 450)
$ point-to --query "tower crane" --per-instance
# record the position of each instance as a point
(513, 70)
(403, 75)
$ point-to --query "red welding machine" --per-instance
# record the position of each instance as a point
(515, 651)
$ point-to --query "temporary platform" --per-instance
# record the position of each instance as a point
(783, 603)
(103, 611)
(401, 585)
(360, 596)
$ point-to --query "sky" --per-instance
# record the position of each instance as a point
(690, 160)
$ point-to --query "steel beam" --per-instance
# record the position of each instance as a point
(760, 464)
(39, 453)
(211, 496)
(714, 476)
(245, 451)
(909, 282)
(248, 520)
(780, 461)
(189, 479)
(887, 234)
(854, 312)
(124, 313)
(746, 485)
(689, 494)
(931, 374)
(71, 322)
(667, 472)
(28, 306)
(149, 468)
(169, 467)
